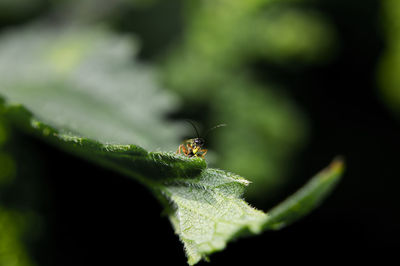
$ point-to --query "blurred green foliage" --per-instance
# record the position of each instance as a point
(7, 164)
(214, 66)
(12, 228)
(389, 77)
(14, 10)
(12, 223)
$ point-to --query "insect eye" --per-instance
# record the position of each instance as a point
(199, 141)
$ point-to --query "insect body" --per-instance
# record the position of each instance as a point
(194, 147)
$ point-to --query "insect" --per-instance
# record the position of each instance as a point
(194, 147)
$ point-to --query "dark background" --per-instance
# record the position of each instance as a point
(108, 219)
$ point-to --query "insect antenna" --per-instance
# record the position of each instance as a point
(215, 127)
(195, 128)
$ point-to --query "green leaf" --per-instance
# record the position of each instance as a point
(204, 205)
(209, 210)
(85, 80)
(53, 100)
(305, 199)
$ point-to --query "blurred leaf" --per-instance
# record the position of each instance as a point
(223, 36)
(85, 80)
(12, 252)
(7, 168)
(287, 35)
(16, 9)
(261, 139)
(390, 63)
(89, 11)
(12, 227)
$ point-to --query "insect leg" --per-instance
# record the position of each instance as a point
(184, 149)
(202, 152)
(178, 151)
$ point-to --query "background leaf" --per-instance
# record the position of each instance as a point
(390, 61)
(84, 80)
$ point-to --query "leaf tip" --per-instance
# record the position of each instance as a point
(335, 168)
